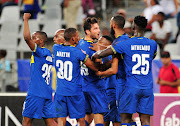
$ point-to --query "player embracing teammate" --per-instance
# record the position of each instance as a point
(82, 83)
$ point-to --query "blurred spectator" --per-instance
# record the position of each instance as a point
(123, 13)
(152, 9)
(105, 31)
(88, 8)
(32, 7)
(170, 7)
(70, 10)
(161, 30)
(169, 75)
(127, 28)
(4, 64)
(4, 3)
(178, 33)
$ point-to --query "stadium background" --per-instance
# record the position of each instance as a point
(49, 20)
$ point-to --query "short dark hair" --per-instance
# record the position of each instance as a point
(165, 54)
(156, 1)
(140, 21)
(162, 14)
(69, 33)
(43, 35)
(119, 21)
(108, 38)
(3, 53)
(88, 22)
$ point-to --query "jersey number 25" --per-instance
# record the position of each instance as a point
(141, 62)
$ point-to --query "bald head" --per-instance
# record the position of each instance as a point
(59, 36)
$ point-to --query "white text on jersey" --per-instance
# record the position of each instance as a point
(140, 47)
(63, 54)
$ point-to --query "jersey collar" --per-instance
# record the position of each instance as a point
(68, 45)
(121, 35)
(88, 40)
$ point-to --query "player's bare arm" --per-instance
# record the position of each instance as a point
(112, 70)
(91, 65)
(103, 53)
(27, 34)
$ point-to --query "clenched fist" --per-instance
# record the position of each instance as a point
(27, 16)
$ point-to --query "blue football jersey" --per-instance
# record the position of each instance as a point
(121, 72)
(41, 64)
(90, 80)
(138, 53)
(67, 64)
(120, 38)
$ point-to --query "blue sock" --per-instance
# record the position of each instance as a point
(133, 124)
(125, 124)
(87, 124)
(67, 123)
(99, 124)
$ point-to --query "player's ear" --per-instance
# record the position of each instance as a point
(87, 32)
(114, 25)
(73, 39)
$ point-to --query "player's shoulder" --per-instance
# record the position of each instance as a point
(57, 46)
(82, 42)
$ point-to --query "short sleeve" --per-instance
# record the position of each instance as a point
(41, 52)
(118, 48)
(154, 27)
(168, 26)
(155, 48)
(82, 56)
(176, 69)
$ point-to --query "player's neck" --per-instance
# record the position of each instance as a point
(139, 34)
(118, 32)
(68, 43)
(88, 38)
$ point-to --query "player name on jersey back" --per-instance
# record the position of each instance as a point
(140, 47)
(63, 54)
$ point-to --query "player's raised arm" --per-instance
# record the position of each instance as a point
(27, 34)
(103, 53)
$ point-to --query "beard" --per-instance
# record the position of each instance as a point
(112, 32)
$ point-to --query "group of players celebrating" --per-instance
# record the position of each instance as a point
(108, 80)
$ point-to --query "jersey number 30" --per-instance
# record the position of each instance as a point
(64, 70)
(141, 62)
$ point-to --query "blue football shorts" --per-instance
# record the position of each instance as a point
(136, 100)
(72, 106)
(112, 114)
(38, 108)
(96, 102)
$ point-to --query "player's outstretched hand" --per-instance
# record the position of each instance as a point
(95, 47)
(27, 16)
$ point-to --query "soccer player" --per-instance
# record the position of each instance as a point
(59, 36)
(69, 98)
(117, 25)
(139, 52)
(112, 114)
(93, 86)
(38, 102)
